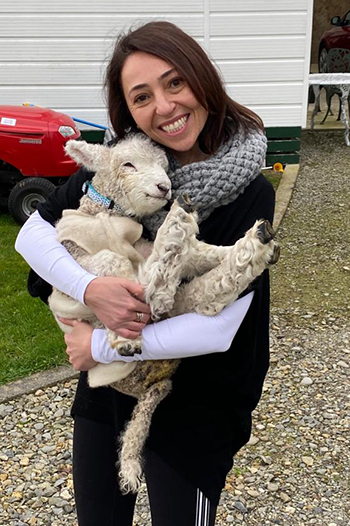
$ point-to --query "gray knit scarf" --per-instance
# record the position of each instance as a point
(217, 181)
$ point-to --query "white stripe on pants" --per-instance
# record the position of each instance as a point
(202, 510)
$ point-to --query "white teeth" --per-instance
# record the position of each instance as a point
(175, 126)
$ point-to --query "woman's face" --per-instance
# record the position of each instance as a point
(163, 105)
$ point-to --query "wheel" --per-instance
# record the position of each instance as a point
(323, 65)
(26, 195)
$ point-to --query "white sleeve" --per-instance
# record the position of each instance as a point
(37, 244)
(180, 337)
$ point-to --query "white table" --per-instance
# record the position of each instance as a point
(341, 81)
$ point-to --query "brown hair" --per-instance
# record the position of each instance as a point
(170, 43)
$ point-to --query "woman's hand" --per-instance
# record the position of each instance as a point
(116, 302)
(78, 343)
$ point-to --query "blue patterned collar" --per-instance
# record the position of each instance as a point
(91, 192)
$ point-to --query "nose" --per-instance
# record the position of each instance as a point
(164, 190)
(164, 106)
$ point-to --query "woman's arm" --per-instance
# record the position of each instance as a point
(180, 337)
(37, 244)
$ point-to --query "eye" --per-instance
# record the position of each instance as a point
(140, 99)
(129, 165)
(176, 82)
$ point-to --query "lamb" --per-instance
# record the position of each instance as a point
(104, 236)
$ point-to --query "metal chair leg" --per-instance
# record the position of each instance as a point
(329, 102)
(343, 99)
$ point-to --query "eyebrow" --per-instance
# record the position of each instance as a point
(163, 76)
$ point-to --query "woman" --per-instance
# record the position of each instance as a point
(161, 83)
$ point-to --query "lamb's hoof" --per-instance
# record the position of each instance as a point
(265, 232)
(275, 256)
(185, 202)
(127, 349)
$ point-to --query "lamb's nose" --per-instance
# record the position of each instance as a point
(163, 189)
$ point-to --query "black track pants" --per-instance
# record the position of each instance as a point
(173, 500)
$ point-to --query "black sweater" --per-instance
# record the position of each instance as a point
(206, 418)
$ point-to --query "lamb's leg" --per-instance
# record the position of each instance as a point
(135, 434)
(108, 263)
(204, 257)
(248, 258)
(162, 272)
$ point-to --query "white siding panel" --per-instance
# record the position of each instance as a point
(54, 53)
(55, 50)
(257, 5)
(263, 70)
(79, 26)
(54, 97)
(255, 48)
(86, 74)
(279, 115)
(101, 6)
(51, 50)
(54, 73)
(279, 93)
(257, 24)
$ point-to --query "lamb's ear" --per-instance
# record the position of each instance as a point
(91, 156)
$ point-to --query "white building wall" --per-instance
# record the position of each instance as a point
(262, 48)
(54, 53)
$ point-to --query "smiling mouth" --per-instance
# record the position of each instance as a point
(175, 126)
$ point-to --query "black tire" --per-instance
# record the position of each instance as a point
(323, 65)
(26, 195)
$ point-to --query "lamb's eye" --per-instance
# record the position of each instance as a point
(129, 165)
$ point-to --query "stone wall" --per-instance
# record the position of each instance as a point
(324, 10)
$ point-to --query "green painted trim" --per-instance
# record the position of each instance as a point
(283, 132)
(284, 158)
(283, 146)
(95, 136)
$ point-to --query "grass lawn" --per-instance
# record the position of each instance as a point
(273, 177)
(30, 340)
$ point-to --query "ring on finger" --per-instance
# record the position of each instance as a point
(139, 317)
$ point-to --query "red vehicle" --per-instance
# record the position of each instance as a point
(32, 158)
(334, 48)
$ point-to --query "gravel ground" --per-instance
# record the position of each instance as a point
(295, 470)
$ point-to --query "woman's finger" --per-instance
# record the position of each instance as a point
(139, 306)
(135, 326)
(135, 289)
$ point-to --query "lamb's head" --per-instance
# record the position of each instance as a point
(132, 173)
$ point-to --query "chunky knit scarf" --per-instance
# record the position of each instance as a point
(217, 181)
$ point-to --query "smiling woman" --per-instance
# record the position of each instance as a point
(160, 83)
